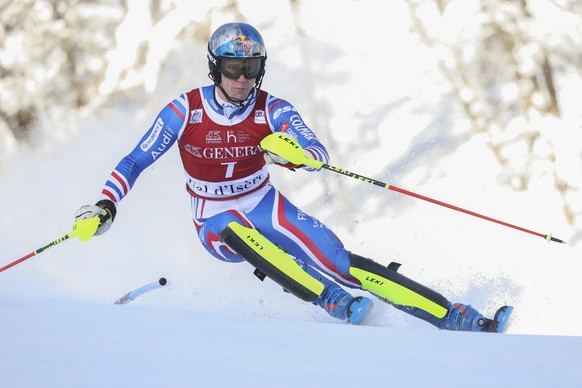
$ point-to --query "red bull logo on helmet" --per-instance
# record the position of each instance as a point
(243, 43)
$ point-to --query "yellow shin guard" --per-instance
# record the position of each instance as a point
(395, 288)
(272, 261)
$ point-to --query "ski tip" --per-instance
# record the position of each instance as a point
(502, 318)
(358, 309)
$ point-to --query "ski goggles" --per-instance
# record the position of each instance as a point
(232, 68)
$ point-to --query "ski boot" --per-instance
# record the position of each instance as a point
(340, 304)
(463, 317)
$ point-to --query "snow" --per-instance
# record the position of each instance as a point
(216, 324)
(98, 345)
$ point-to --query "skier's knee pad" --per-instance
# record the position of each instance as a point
(272, 261)
(396, 288)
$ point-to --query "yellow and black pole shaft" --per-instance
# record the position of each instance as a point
(286, 147)
(547, 237)
(82, 229)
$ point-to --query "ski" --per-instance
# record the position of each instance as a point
(140, 291)
(358, 309)
(499, 322)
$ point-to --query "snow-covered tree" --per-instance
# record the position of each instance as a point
(510, 64)
(51, 57)
(514, 67)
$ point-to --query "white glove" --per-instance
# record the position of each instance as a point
(271, 158)
(106, 211)
(90, 211)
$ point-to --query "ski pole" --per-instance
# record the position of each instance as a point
(296, 155)
(140, 291)
(39, 250)
(548, 237)
(83, 229)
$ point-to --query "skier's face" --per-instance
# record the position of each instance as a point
(237, 88)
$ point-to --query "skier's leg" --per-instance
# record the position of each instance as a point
(303, 236)
(459, 317)
(414, 298)
(209, 231)
(336, 301)
(211, 219)
(293, 275)
(318, 248)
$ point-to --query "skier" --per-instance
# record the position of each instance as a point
(227, 134)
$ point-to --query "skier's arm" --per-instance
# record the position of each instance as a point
(158, 139)
(284, 118)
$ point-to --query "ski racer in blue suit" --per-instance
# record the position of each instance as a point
(239, 215)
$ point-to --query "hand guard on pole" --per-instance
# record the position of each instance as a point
(94, 220)
(282, 149)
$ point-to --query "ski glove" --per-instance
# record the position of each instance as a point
(283, 150)
(272, 158)
(94, 220)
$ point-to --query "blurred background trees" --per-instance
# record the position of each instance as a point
(52, 57)
(509, 63)
(512, 66)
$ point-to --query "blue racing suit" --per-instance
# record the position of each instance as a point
(227, 177)
(228, 180)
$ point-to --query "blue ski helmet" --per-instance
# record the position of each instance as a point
(241, 42)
